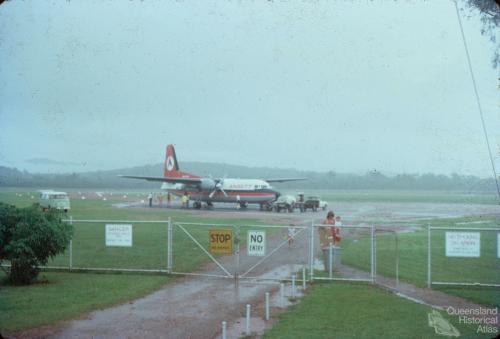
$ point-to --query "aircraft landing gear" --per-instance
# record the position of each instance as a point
(197, 205)
(243, 204)
(210, 204)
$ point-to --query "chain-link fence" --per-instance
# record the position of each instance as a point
(463, 256)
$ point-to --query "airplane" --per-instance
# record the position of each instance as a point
(208, 190)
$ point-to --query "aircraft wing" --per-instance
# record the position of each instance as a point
(284, 179)
(188, 181)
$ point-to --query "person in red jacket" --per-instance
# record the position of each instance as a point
(328, 235)
(333, 234)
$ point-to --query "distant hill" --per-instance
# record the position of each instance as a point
(11, 177)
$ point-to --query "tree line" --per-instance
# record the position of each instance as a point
(12, 177)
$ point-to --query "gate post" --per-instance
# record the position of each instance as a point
(311, 254)
(237, 241)
(169, 245)
(372, 255)
(397, 259)
(375, 252)
(429, 256)
(330, 261)
(71, 246)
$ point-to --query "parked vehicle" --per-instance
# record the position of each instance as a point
(290, 203)
(312, 202)
(53, 199)
(285, 202)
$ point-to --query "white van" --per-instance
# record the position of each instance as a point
(53, 199)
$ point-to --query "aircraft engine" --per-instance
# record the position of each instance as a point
(207, 184)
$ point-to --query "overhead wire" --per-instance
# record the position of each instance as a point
(495, 176)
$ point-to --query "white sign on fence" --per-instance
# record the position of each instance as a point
(463, 244)
(256, 244)
(119, 235)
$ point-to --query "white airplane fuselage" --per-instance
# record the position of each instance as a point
(253, 191)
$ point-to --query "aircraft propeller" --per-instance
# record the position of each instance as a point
(218, 187)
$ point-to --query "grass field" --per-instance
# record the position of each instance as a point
(61, 296)
(413, 260)
(359, 311)
(83, 292)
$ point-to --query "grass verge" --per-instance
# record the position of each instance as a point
(62, 296)
(359, 311)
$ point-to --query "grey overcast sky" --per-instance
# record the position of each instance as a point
(349, 86)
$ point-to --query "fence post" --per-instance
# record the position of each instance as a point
(169, 245)
(330, 261)
(375, 252)
(237, 239)
(311, 254)
(372, 268)
(397, 259)
(429, 281)
(293, 286)
(304, 278)
(71, 246)
(282, 295)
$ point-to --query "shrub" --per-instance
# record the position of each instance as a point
(28, 238)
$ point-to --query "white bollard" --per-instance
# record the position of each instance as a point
(267, 305)
(282, 295)
(304, 278)
(224, 330)
(293, 286)
(247, 332)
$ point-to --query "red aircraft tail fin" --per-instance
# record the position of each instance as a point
(171, 168)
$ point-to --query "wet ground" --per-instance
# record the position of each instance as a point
(194, 307)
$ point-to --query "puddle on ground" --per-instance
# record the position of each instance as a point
(477, 222)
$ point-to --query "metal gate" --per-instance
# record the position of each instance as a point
(280, 251)
(288, 251)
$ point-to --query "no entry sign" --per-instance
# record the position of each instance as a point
(256, 244)
(220, 241)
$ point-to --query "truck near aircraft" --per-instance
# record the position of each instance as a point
(290, 203)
